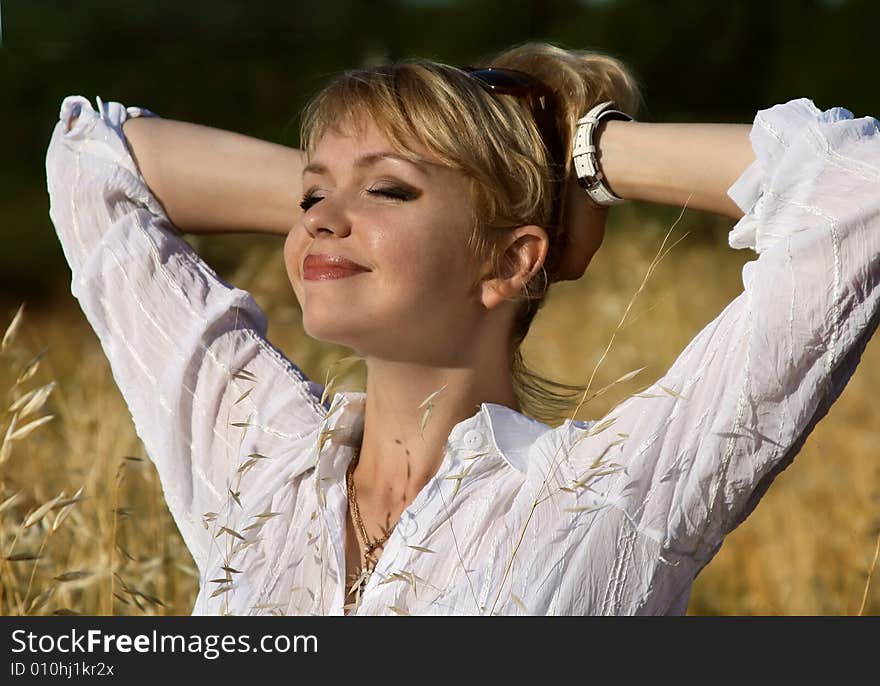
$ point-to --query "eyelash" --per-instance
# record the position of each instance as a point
(309, 199)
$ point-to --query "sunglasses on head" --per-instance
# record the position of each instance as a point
(542, 103)
(542, 100)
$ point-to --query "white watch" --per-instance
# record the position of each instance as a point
(583, 155)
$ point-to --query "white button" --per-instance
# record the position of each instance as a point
(473, 439)
(407, 526)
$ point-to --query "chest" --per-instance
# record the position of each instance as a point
(481, 550)
(355, 551)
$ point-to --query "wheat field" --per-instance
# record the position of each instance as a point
(84, 527)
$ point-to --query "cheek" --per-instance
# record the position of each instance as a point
(431, 275)
(294, 250)
(406, 251)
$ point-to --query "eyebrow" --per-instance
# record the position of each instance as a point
(367, 160)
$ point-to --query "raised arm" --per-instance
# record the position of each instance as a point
(669, 164)
(188, 351)
(674, 164)
(701, 446)
(211, 180)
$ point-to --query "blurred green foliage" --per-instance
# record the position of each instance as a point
(251, 66)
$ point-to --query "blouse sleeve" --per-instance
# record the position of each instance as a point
(188, 351)
(695, 452)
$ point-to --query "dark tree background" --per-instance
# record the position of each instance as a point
(250, 67)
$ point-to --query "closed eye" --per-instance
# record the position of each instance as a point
(308, 200)
(392, 192)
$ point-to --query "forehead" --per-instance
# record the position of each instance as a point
(364, 144)
(355, 136)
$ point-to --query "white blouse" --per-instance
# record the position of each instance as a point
(615, 516)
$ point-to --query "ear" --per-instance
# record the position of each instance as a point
(524, 254)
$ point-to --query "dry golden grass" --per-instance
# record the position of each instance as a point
(107, 544)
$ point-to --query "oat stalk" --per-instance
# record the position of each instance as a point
(870, 574)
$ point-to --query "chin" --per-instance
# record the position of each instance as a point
(366, 337)
(331, 329)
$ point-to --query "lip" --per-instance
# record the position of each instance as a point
(320, 267)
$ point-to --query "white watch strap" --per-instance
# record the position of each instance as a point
(583, 154)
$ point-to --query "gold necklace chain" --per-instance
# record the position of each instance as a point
(369, 546)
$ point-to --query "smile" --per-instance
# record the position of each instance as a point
(324, 267)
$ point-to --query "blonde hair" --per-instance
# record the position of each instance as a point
(495, 142)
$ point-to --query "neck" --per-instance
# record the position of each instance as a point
(404, 438)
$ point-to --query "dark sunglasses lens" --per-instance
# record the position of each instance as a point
(501, 80)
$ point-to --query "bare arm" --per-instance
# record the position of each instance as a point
(666, 163)
(669, 164)
(215, 181)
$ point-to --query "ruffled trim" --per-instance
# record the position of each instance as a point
(111, 116)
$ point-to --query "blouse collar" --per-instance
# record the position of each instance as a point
(494, 429)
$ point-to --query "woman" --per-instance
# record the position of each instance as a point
(436, 206)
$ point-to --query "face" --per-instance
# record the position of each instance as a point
(406, 223)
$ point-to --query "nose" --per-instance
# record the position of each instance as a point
(327, 215)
